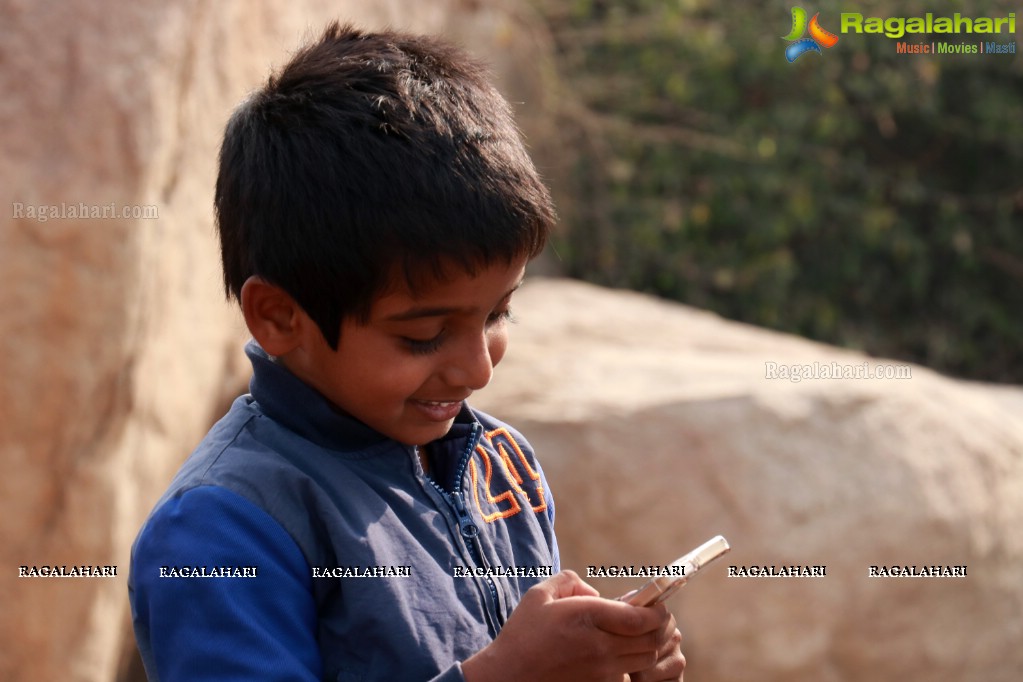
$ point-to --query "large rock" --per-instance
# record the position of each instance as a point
(118, 350)
(655, 423)
(658, 428)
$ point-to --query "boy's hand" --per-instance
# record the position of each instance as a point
(670, 661)
(562, 631)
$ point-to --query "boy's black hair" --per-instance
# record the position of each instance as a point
(370, 156)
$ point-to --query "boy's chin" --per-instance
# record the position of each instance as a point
(423, 433)
(425, 422)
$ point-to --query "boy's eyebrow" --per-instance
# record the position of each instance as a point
(438, 311)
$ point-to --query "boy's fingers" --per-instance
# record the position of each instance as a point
(670, 660)
(619, 618)
(668, 667)
(669, 636)
(671, 642)
(566, 584)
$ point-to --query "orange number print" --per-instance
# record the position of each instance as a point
(512, 480)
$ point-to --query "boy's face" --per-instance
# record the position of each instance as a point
(406, 371)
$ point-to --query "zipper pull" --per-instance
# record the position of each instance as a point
(469, 530)
(471, 533)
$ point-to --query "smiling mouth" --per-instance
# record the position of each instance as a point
(438, 410)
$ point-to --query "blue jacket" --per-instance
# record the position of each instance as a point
(296, 543)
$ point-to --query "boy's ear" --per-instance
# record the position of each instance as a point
(273, 317)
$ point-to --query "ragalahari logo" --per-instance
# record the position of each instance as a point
(818, 36)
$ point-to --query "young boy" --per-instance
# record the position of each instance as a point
(352, 518)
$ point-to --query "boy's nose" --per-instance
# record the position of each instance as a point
(471, 365)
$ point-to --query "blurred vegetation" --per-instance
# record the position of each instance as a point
(859, 197)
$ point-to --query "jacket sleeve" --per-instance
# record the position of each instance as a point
(221, 628)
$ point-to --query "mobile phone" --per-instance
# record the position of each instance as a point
(658, 589)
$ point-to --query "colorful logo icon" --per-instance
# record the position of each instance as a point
(818, 36)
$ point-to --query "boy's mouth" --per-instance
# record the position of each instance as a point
(438, 410)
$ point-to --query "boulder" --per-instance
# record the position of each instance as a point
(119, 350)
(659, 426)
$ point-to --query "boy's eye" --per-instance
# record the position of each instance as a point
(423, 346)
(500, 316)
(431, 345)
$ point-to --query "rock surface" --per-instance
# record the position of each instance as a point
(658, 428)
(119, 351)
(656, 424)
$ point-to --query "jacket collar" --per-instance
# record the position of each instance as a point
(291, 402)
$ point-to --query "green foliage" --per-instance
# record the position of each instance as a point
(859, 197)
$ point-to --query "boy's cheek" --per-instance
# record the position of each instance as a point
(497, 344)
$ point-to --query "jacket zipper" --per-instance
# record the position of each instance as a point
(466, 527)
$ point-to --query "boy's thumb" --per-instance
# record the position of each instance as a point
(565, 584)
